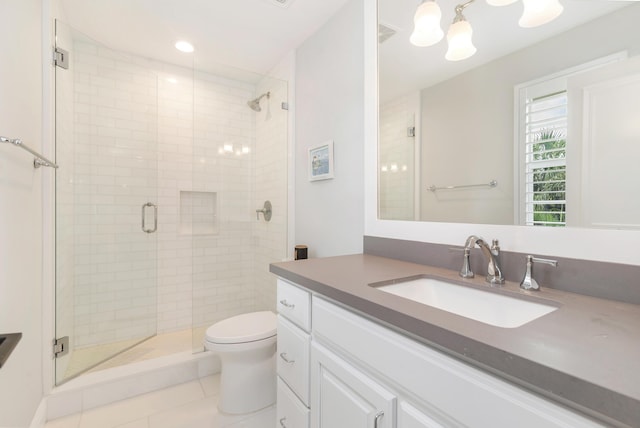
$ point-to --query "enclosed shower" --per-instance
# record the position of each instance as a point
(162, 169)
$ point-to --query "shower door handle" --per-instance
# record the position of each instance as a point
(155, 217)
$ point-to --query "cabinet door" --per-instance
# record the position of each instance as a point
(344, 397)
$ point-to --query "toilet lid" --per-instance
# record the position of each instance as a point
(243, 328)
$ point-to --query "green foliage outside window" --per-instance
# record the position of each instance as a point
(549, 183)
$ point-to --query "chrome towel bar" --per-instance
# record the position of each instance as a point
(492, 183)
(38, 161)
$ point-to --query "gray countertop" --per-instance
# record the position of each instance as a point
(585, 355)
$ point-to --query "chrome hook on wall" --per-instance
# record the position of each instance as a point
(266, 211)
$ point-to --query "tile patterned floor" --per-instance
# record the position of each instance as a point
(188, 405)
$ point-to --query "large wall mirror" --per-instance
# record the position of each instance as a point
(541, 126)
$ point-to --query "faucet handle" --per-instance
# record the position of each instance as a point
(466, 271)
(528, 282)
(495, 247)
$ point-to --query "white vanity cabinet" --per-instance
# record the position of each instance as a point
(431, 388)
(293, 347)
(346, 391)
(364, 374)
(410, 416)
(343, 396)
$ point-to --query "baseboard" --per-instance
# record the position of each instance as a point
(40, 417)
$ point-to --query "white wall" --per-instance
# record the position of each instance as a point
(329, 105)
(270, 171)
(21, 209)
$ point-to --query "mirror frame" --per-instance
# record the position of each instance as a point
(617, 246)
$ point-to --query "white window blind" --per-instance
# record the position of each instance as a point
(545, 141)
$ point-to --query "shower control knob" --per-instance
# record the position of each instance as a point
(266, 211)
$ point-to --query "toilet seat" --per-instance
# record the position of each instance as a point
(243, 328)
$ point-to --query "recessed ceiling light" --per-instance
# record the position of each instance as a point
(184, 46)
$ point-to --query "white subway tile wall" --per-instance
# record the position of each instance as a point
(115, 132)
(397, 158)
(271, 168)
(145, 131)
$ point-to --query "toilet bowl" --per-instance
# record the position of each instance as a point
(246, 345)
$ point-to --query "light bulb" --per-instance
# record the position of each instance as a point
(460, 43)
(427, 30)
(500, 2)
(539, 12)
(184, 46)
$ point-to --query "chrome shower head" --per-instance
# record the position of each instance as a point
(255, 104)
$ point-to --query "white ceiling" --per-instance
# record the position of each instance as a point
(252, 35)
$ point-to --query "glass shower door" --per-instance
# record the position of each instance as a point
(106, 191)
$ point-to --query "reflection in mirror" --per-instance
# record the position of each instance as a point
(547, 114)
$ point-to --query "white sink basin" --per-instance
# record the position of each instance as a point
(484, 306)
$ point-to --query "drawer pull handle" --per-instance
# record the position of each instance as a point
(283, 355)
(282, 422)
(377, 418)
(287, 304)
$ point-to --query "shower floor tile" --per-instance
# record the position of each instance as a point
(158, 346)
(189, 405)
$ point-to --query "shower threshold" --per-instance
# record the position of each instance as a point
(157, 346)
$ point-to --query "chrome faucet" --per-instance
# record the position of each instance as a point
(491, 254)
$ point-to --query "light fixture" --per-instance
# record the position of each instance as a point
(427, 30)
(539, 12)
(184, 46)
(459, 36)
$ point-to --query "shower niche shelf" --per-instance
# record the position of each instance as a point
(198, 213)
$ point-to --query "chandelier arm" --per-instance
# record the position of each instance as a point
(459, 8)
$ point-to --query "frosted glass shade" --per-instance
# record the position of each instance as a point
(460, 43)
(427, 38)
(539, 12)
(427, 30)
(500, 2)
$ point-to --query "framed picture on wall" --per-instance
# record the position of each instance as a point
(321, 161)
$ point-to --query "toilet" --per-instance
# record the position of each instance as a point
(246, 345)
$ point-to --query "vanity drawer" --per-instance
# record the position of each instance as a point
(293, 358)
(295, 304)
(291, 412)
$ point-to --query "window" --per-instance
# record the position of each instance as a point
(541, 114)
(545, 141)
